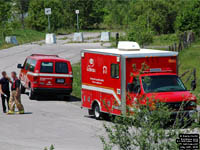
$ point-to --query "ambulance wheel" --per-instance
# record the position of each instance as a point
(31, 95)
(23, 89)
(97, 112)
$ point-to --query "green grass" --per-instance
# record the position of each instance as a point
(24, 36)
(164, 40)
(28, 35)
(189, 59)
(76, 80)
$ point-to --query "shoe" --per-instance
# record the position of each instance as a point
(10, 112)
(20, 112)
(4, 111)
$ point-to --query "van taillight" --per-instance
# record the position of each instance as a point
(35, 79)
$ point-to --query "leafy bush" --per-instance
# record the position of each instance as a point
(5, 14)
(37, 18)
(188, 18)
(140, 33)
(76, 80)
(146, 129)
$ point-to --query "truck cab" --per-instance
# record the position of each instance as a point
(165, 87)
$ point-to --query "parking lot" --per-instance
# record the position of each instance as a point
(61, 123)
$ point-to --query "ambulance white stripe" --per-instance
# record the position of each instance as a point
(49, 75)
(104, 90)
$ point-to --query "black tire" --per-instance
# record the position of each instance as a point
(66, 97)
(97, 112)
(31, 95)
(90, 112)
(23, 89)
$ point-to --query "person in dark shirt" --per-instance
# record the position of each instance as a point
(5, 91)
(15, 98)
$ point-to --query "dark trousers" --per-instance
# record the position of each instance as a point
(5, 100)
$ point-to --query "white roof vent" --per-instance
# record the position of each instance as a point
(128, 46)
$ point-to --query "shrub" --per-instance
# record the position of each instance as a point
(140, 32)
(146, 129)
(37, 18)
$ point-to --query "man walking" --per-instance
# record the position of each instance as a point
(5, 91)
(15, 98)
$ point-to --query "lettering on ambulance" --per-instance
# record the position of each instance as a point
(90, 66)
(97, 81)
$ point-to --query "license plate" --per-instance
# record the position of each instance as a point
(60, 80)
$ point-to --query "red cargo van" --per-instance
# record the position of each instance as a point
(46, 75)
(112, 79)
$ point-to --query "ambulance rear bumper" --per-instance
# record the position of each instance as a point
(52, 91)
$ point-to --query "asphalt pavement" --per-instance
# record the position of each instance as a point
(61, 123)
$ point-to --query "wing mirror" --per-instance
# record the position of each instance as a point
(130, 87)
(19, 66)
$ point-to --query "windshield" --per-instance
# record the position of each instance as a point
(162, 83)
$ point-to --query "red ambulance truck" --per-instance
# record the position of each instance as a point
(112, 79)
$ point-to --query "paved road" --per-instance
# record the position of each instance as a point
(60, 123)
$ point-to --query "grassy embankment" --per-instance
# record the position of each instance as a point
(188, 59)
(76, 80)
(24, 36)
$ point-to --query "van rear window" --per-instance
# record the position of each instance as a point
(46, 67)
(61, 67)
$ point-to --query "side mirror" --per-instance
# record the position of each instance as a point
(193, 85)
(130, 87)
(19, 66)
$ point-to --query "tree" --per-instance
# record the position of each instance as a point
(189, 17)
(140, 32)
(160, 14)
(21, 7)
(37, 18)
(5, 15)
(116, 13)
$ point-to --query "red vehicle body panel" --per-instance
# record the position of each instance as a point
(34, 79)
(111, 93)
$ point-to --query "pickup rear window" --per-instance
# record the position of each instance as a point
(61, 67)
(46, 67)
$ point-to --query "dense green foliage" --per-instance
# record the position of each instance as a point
(189, 16)
(37, 18)
(140, 33)
(147, 129)
(5, 14)
(76, 80)
(20, 7)
(158, 16)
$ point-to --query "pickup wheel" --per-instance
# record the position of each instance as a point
(97, 112)
(31, 95)
(23, 89)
